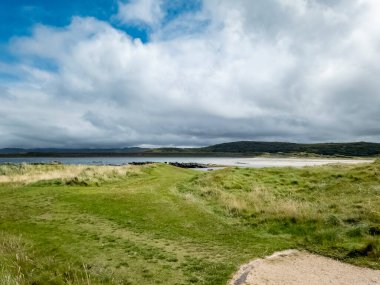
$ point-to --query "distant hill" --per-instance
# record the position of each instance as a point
(69, 151)
(241, 148)
(11, 150)
(251, 147)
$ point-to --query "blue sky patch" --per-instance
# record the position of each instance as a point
(17, 17)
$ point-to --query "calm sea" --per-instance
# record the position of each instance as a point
(111, 160)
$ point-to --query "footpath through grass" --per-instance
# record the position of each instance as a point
(159, 224)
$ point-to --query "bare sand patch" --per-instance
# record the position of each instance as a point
(259, 162)
(293, 267)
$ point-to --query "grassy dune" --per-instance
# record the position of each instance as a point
(159, 224)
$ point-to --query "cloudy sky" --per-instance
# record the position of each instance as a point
(108, 73)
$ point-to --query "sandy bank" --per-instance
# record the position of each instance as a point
(294, 267)
(259, 162)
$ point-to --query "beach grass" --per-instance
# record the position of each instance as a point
(158, 224)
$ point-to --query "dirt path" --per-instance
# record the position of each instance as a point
(293, 267)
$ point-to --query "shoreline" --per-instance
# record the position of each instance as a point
(191, 162)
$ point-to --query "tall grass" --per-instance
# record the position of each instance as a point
(64, 174)
(13, 260)
(327, 207)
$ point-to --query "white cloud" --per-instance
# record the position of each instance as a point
(140, 11)
(267, 70)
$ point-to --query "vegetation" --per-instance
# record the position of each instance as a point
(343, 149)
(158, 224)
(243, 148)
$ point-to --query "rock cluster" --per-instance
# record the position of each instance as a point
(188, 165)
(176, 164)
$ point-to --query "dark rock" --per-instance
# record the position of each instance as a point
(188, 165)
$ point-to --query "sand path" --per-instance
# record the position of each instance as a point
(294, 267)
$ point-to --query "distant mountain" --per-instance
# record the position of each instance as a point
(251, 147)
(21, 151)
(242, 148)
(12, 150)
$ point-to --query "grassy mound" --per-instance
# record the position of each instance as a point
(159, 224)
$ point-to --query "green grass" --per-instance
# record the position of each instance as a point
(159, 224)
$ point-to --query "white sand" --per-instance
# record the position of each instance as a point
(294, 267)
(259, 162)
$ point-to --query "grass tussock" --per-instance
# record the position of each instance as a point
(101, 174)
(60, 174)
(158, 224)
(13, 260)
(325, 208)
(236, 193)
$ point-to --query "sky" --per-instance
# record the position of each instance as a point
(109, 73)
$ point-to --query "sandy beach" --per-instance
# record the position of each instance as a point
(294, 267)
(259, 162)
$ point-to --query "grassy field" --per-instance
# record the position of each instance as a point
(158, 224)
